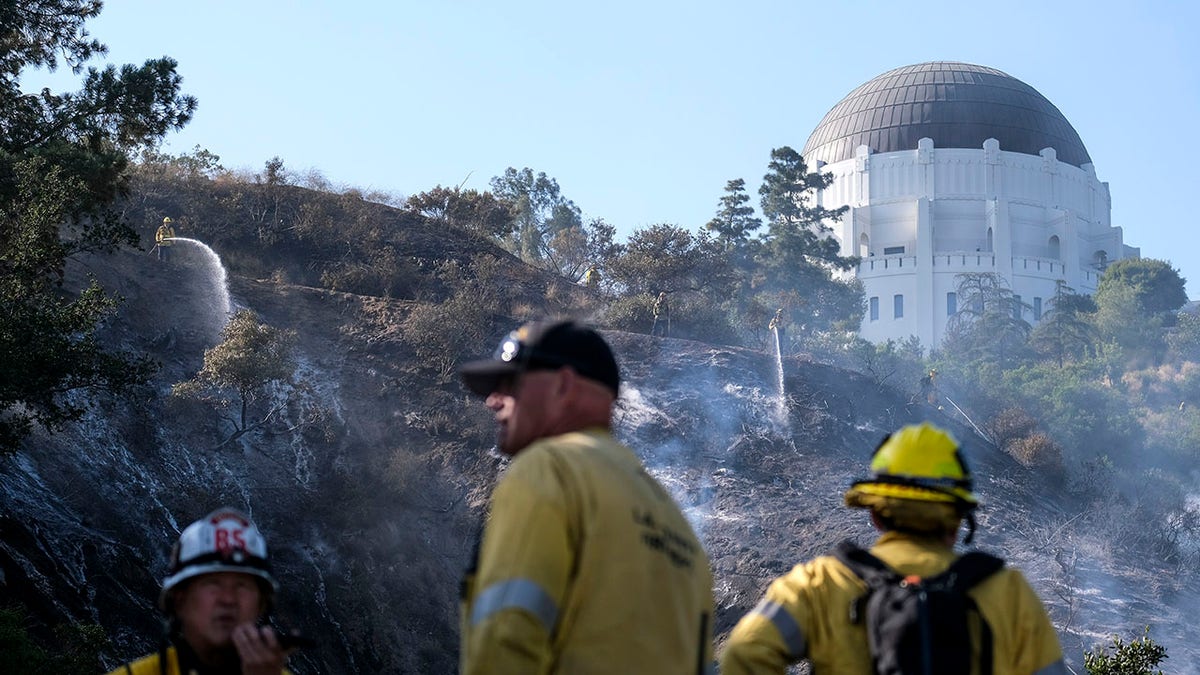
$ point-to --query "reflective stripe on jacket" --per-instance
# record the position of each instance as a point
(586, 565)
(805, 614)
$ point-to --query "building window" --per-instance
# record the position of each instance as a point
(893, 250)
(875, 309)
(951, 303)
(898, 306)
(1037, 309)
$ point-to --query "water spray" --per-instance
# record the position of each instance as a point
(781, 402)
(216, 273)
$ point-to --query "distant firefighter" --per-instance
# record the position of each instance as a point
(591, 278)
(777, 325)
(929, 387)
(163, 239)
(662, 316)
(777, 320)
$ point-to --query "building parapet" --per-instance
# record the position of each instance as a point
(886, 264)
(961, 262)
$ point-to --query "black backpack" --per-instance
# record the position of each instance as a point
(919, 626)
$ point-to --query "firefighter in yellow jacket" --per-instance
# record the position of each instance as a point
(218, 588)
(585, 564)
(164, 237)
(591, 278)
(918, 496)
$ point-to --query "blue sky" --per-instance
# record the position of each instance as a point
(643, 110)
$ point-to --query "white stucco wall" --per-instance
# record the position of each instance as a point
(921, 217)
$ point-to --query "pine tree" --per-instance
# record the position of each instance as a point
(63, 161)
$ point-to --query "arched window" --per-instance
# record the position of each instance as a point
(864, 245)
(1055, 248)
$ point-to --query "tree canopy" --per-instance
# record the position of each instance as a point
(238, 371)
(1157, 285)
(989, 325)
(540, 211)
(63, 161)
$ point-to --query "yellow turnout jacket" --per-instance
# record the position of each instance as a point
(805, 615)
(164, 235)
(586, 565)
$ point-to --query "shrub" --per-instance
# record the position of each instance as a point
(633, 313)
(1009, 425)
(77, 649)
(1038, 451)
(1137, 657)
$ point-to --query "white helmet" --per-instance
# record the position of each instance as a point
(223, 541)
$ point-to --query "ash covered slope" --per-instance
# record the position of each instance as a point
(372, 486)
(356, 495)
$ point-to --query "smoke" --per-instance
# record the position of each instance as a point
(687, 417)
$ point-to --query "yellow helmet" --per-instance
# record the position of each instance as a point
(920, 463)
(167, 220)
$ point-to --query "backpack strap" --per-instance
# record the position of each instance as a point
(964, 574)
(871, 570)
(865, 566)
(970, 569)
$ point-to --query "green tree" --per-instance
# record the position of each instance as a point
(471, 210)
(1158, 286)
(735, 220)
(1075, 406)
(572, 250)
(669, 258)
(1184, 338)
(200, 163)
(238, 372)
(798, 255)
(989, 324)
(1136, 657)
(1066, 330)
(63, 163)
(1128, 332)
(539, 210)
(798, 230)
(1136, 299)
(692, 269)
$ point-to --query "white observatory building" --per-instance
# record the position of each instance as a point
(950, 168)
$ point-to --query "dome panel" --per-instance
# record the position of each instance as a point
(958, 105)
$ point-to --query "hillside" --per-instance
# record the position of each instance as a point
(371, 482)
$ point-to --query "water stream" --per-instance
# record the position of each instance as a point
(781, 402)
(217, 276)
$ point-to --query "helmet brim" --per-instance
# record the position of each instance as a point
(915, 493)
(191, 572)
